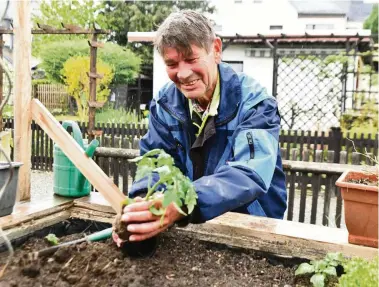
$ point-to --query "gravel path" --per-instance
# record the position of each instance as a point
(42, 185)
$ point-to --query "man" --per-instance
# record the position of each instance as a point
(222, 129)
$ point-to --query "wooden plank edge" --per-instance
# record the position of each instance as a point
(12, 223)
(36, 224)
(277, 244)
(87, 214)
(72, 150)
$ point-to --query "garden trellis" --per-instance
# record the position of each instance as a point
(23, 83)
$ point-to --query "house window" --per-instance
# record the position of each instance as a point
(236, 65)
(257, 1)
(319, 27)
(276, 27)
(237, 1)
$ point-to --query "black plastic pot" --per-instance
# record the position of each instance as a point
(8, 199)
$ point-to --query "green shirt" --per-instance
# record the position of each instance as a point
(211, 110)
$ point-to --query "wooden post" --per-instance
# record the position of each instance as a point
(1, 81)
(92, 89)
(23, 96)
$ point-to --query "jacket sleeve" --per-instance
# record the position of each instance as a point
(157, 137)
(248, 171)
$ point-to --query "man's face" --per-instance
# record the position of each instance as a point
(195, 75)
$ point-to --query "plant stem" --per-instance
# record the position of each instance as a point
(152, 189)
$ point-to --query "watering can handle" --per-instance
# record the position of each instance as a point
(77, 134)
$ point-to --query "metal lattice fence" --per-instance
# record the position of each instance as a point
(315, 91)
(309, 90)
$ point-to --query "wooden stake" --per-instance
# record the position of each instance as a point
(22, 96)
(1, 81)
(74, 152)
(92, 89)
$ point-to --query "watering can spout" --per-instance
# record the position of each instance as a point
(90, 151)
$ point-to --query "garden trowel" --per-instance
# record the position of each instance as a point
(97, 236)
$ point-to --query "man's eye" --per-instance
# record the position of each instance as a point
(191, 60)
(171, 65)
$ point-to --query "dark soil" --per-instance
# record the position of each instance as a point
(365, 181)
(178, 261)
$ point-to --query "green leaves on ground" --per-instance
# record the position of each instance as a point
(321, 269)
(179, 189)
(360, 272)
(357, 271)
(52, 239)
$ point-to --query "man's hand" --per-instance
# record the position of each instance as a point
(142, 223)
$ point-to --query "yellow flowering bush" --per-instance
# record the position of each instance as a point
(75, 77)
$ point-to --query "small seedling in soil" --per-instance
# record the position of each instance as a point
(322, 272)
(178, 189)
(52, 239)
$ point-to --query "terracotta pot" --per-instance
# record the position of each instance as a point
(361, 207)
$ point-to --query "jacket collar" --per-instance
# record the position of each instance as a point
(174, 102)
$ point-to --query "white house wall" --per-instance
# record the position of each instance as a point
(260, 68)
(336, 23)
(249, 16)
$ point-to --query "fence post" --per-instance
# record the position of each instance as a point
(335, 140)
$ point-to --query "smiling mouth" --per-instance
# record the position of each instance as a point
(188, 84)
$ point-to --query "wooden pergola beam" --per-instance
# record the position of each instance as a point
(22, 96)
(58, 31)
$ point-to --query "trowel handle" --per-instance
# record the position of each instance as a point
(101, 235)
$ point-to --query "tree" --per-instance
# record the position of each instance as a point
(143, 16)
(81, 13)
(125, 63)
(75, 77)
(372, 22)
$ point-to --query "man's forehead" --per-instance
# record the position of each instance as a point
(181, 52)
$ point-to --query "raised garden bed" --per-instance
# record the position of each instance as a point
(198, 254)
(178, 261)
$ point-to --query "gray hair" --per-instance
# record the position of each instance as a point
(182, 29)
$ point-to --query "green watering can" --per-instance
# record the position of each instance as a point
(68, 180)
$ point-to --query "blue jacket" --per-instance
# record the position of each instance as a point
(241, 164)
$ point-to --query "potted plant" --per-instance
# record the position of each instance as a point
(359, 191)
(8, 186)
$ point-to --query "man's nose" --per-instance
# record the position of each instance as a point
(184, 72)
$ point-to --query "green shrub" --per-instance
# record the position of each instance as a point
(360, 272)
(125, 64)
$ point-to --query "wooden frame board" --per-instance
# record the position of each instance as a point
(278, 237)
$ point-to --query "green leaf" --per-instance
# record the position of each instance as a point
(318, 280)
(165, 159)
(153, 152)
(157, 212)
(319, 265)
(304, 268)
(330, 270)
(169, 196)
(127, 201)
(143, 171)
(179, 209)
(52, 239)
(335, 256)
(136, 159)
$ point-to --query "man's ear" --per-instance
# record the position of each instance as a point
(217, 49)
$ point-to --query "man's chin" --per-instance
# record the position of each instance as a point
(192, 95)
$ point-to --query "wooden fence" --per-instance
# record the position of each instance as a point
(52, 96)
(123, 135)
(313, 196)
